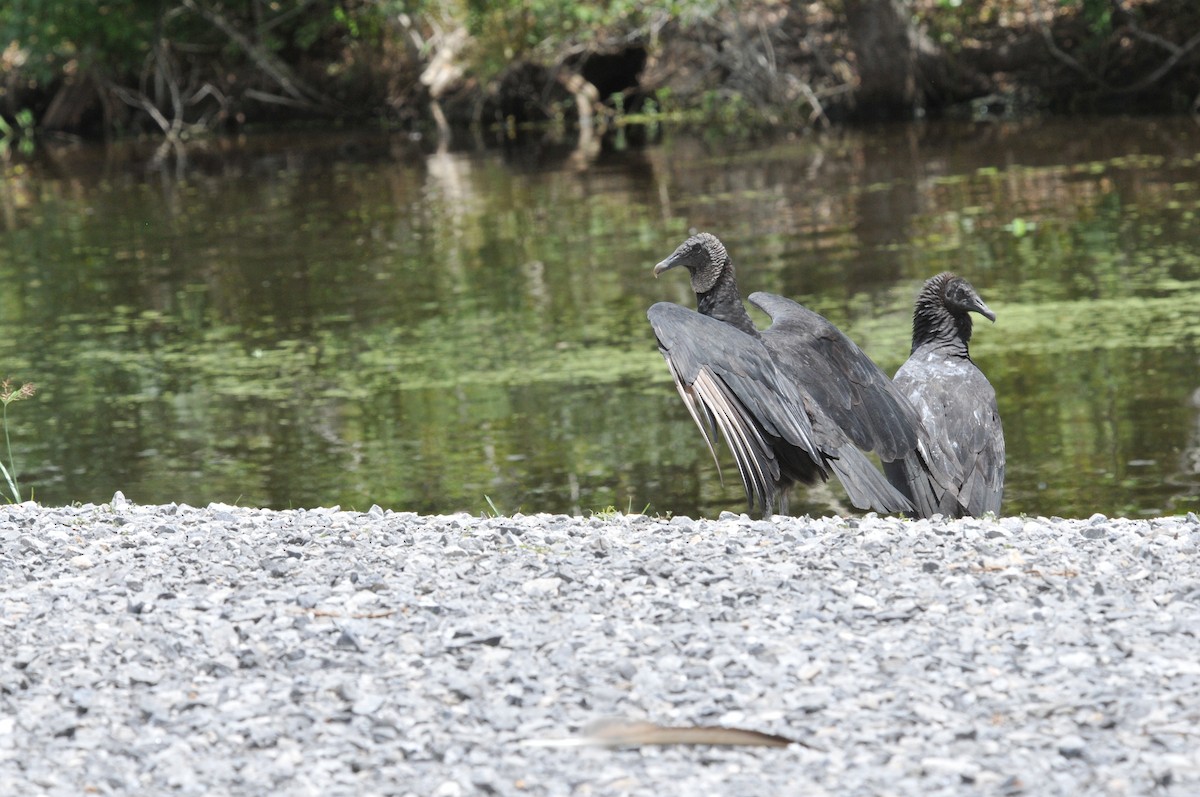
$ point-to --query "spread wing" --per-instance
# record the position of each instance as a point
(860, 399)
(730, 385)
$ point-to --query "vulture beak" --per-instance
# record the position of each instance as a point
(670, 263)
(985, 311)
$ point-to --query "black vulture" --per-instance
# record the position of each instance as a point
(733, 380)
(955, 400)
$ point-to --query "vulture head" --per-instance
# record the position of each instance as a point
(703, 256)
(960, 298)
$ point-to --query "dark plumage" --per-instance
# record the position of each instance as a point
(729, 383)
(859, 397)
(739, 381)
(956, 402)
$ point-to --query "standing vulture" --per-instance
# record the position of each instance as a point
(793, 402)
(954, 398)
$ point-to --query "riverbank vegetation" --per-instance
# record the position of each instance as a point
(179, 68)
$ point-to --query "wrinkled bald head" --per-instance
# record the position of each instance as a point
(960, 297)
(943, 308)
(705, 258)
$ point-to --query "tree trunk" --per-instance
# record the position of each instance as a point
(886, 55)
(901, 71)
(77, 103)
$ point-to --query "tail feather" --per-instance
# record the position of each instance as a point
(866, 486)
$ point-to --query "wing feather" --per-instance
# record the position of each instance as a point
(860, 400)
(731, 386)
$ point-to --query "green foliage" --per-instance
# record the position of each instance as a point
(114, 36)
(21, 132)
(1097, 13)
(610, 512)
(64, 37)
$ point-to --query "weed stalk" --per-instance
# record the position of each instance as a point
(9, 394)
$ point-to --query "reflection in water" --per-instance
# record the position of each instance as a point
(350, 319)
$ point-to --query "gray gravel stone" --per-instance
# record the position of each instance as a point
(226, 650)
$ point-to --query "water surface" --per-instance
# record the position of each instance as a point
(356, 318)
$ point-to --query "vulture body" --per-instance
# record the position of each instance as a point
(956, 402)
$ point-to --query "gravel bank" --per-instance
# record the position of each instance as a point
(220, 650)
